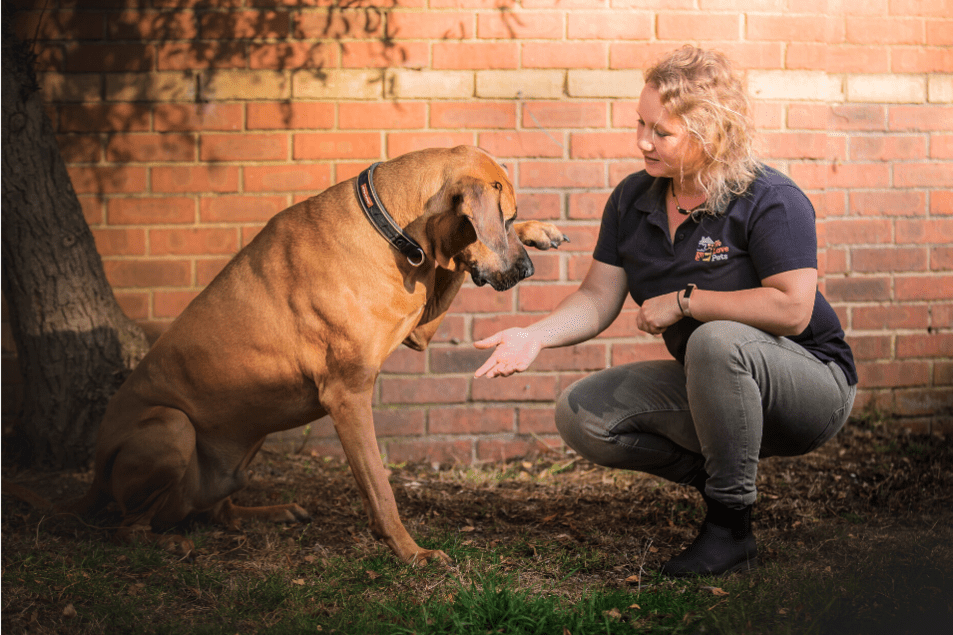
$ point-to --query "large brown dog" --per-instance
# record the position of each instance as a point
(297, 326)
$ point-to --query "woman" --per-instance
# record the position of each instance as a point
(720, 254)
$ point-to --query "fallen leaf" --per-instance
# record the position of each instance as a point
(715, 590)
(468, 528)
(69, 611)
(298, 581)
(782, 611)
(635, 606)
(613, 614)
(373, 575)
(634, 579)
(653, 549)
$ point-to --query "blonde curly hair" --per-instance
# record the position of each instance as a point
(701, 88)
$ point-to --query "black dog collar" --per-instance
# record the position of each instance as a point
(384, 222)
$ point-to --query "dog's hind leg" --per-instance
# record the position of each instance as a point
(153, 476)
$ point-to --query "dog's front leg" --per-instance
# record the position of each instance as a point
(353, 419)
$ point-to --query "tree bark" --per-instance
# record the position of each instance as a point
(75, 346)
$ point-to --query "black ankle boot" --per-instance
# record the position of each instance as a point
(725, 544)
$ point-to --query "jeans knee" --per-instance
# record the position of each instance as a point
(715, 343)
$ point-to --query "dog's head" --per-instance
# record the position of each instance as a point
(473, 229)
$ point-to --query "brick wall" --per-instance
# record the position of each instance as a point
(187, 124)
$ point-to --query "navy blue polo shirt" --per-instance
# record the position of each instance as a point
(769, 230)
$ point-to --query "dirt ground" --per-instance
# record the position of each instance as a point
(872, 488)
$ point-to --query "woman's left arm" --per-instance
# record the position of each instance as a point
(782, 305)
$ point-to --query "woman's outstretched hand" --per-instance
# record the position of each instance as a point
(516, 349)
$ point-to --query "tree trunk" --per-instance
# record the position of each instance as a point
(75, 346)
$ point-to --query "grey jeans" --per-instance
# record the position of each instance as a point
(742, 395)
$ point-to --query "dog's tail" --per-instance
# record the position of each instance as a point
(92, 501)
(26, 495)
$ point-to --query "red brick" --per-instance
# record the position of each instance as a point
(471, 420)
(941, 202)
(472, 115)
(888, 148)
(104, 118)
(890, 317)
(192, 241)
(120, 242)
(838, 59)
(472, 299)
(479, 55)
(859, 231)
(919, 288)
(637, 55)
(941, 258)
(939, 32)
(581, 357)
(57, 25)
(170, 304)
(846, 175)
(639, 352)
(240, 208)
(484, 327)
(331, 25)
(509, 449)
(698, 26)
(519, 387)
(398, 390)
(893, 374)
(618, 170)
(884, 30)
(399, 115)
(109, 58)
(521, 144)
(921, 118)
(941, 146)
(384, 54)
(456, 359)
(244, 147)
(604, 145)
(287, 178)
(107, 179)
(405, 361)
(929, 346)
(534, 297)
(934, 405)
(607, 25)
(150, 148)
(546, 265)
(399, 143)
(895, 259)
(207, 268)
(400, 422)
(150, 211)
(78, 148)
(888, 203)
(921, 60)
(244, 25)
(587, 205)
(857, 289)
(187, 56)
(871, 347)
(198, 117)
(431, 25)
(337, 145)
(292, 55)
(290, 116)
(196, 178)
(796, 145)
(538, 206)
(134, 305)
(92, 209)
(564, 115)
(565, 55)
(941, 315)
(793, 28)
(452, 452)
(144, 25)
(148, 273)
(925, 231)
(536, 421)
(562, 174)
(929, 175)
(536, 25)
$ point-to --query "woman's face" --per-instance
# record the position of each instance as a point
(666, 145)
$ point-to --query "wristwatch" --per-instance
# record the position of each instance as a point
(687, 294)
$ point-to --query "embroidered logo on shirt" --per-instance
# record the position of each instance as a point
(710, 250)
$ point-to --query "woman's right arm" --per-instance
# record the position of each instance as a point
(582, 315)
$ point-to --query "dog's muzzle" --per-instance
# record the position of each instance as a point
(503, 280)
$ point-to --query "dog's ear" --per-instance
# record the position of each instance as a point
(479, 201)
(449, 234)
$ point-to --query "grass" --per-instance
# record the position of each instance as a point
(519, 588)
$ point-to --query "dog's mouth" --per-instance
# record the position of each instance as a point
(503, 280)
